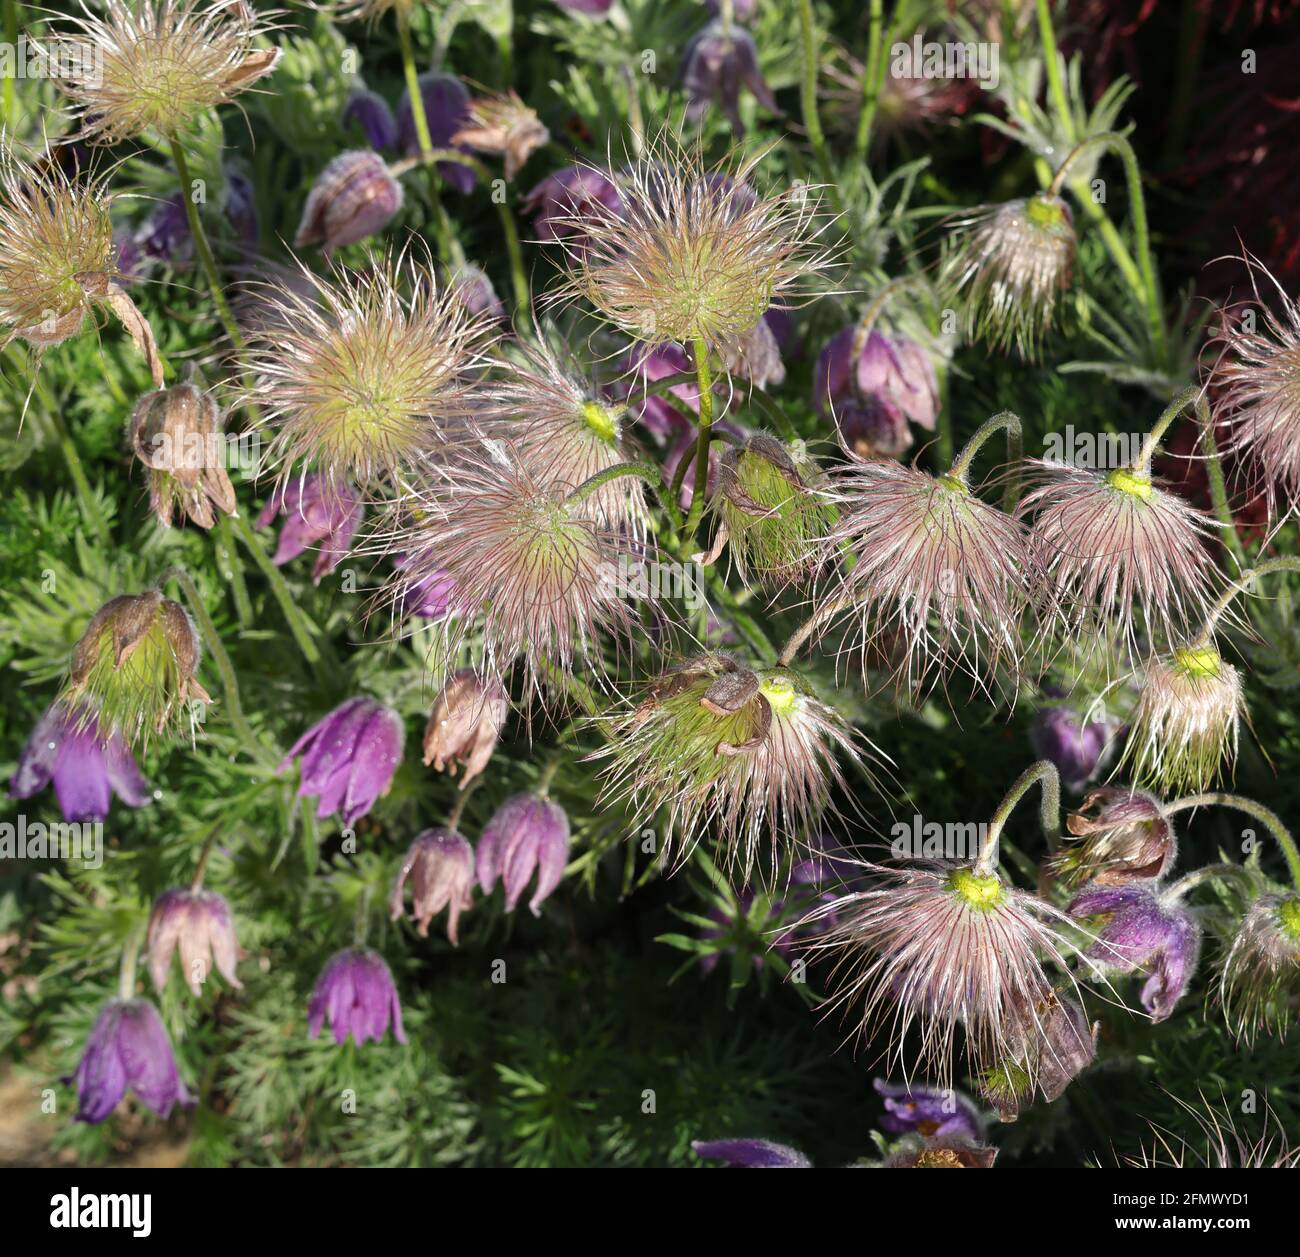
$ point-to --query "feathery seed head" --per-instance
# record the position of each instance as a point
(938, 573)
(366, 371)
(770, 509)
(936, 946)
(1184, 729)
(154, 67)
(1004, 268)
(503, 126)
(1261, 975)
(136, 665)
(693, 256)
(1110, 545)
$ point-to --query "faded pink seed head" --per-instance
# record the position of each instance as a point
(440, 866)
(355, 196)
(197, 923)
(503, 126)
(1260, 982)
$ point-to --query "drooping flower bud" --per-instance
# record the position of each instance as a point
(1184, 728)
(770, 509)
(472, 285)
(1075, 747)
(1051, 1042)
(67, 747)
(355, 196)
(503, 126)
(528, 835)
(756, 356)
(1005, 268)
(176, 433)
(356, 995)
(1143, 929)
(199, 925)
(440, 863)
(371, 113)
(717, 63)
(1127, 838)
(128, 1047)
(751, 1154)
(1260, 983)
(137, 665)
(465, 723)
(446, 109)
(570, 201)
(316, 515)
(429, 596)
(348, 758)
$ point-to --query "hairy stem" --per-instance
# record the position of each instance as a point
(808, 97)
(442, 229)
(1044, 773)
(289, 608)
(1266, 817)
(1219, 495)
(1192, 396)
(705, 435)
(872, 76)
(130, 958)
(1283, 563)
(1006, 421)
(1209, 873)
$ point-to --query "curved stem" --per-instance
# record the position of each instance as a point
(130, 958)
(279, 589)
(1138, 207)
(1265, 816)
(1219, 496)
(1188, 397)
(462, 797)
(205, 854)
(651, 473)
(1211, 872)
(1283, 563)
(1044, 773)
(1003, 420)
(229, 682)
(808, 627)
(700, 352)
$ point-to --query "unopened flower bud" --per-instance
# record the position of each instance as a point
(198, 924)
(1261, 976)
(1076, 747)
(440, 864)
(355, 196)
(371, 113)
(176, 433)
(465, 723)
(136, 663)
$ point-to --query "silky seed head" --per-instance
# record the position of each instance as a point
(1261, 975)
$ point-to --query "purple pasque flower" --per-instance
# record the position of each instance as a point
(199, 925)
(447, 110)
(427, 596)
(372, 114)
(354, 197)
(528, 834)
(1076, 747)
(440, 864)
(476, 292)
(66, 747)
(934, 1112)
(873, 399)
(717, 63)
(1146, 929)
(316, 515)
(751, 1154)
(348, 758)
(128, 1047)
(356, 995)
(570, 201)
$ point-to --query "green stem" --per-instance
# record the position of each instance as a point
(1150, 290)
(442, 229)
(1188, 397)
(1283, 563)
(229, 682)
(1052, 67)
(651, 473)
(77, 470)
(1210, 872)
(808, 96)
(130, 958)
(1219, 495)
(1044, 773)
(871, 82)
(10, 84)
(205, 854)
(1265, 816)
(233, 570)
(1003, 420)
(289, 608)
(808, 627)
(705, 435)
(203, 248)
(462, 797)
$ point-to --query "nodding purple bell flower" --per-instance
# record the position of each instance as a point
(373, 115)
(316, 516)
(355, 196)
(440, 864)
(356, 995)
(128, 1048)
(197, 923)
(934, 1112)
(566, 201)
(67, 748)
(429, 597)
(474, 288)
(528, 834)
(447, 110)
(165, 234)
(1147, 930)
(874, 399)
(349, 758)
(717, 64)
(751, 1154)
(1075, 747)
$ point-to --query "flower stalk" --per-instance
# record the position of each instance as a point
(1043, 773)
(1266, 817)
